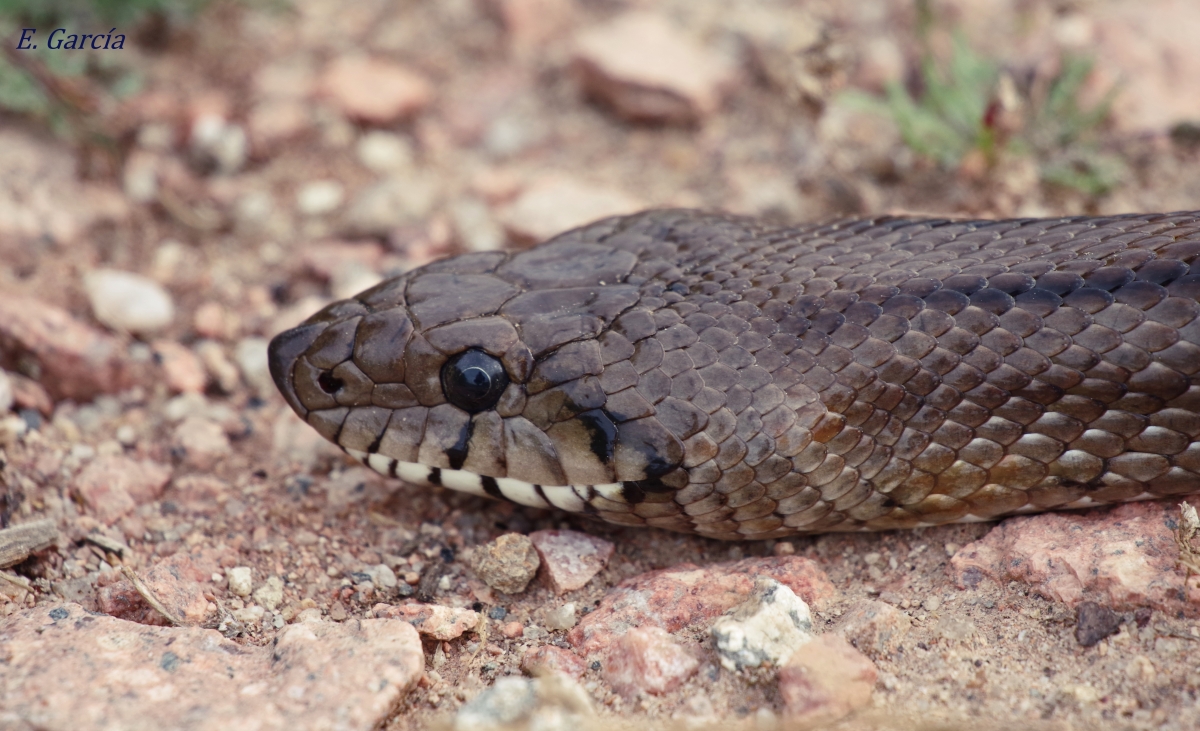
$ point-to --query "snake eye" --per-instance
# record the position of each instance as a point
(473, 380)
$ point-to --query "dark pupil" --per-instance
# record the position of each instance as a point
(476, 382)
(473, 380)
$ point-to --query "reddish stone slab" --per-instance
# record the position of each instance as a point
(687, 595)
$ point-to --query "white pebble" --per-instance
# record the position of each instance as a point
(561, 617)
(6, 393)
(320, 197)
(251, 357)
(128, 301)
(382, 152)
(239, 580)
(382, 575)
(270, 594)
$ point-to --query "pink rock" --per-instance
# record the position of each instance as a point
(556, 203)
(273, 122)
(1123, 558)
(76, 361)
(875, 628)
(373, 90)
(66, 669)
(530, 23)
(199, 493)
(1153, 42)
(570, 559)
(183, 371)
(113, 485)
(435, 620)
(549, 659)
(29, 394)
(687, 596)
(178, 582)
(646, 69)
(824, 680)
(647, 660)
(202, 442)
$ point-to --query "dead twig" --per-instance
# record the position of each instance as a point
(19, 542)
(152, 600)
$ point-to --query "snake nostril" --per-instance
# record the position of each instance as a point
(329, 383)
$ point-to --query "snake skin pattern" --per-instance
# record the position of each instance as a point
(716, 375)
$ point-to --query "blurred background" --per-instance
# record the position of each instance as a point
(259, 155)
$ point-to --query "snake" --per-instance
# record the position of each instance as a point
(737, 379)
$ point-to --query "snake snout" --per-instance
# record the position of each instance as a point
(283, 352)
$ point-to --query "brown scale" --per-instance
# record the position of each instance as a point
(743, 381)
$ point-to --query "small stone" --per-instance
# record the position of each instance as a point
(384, 152)
(875, 628)
(765, 630)
(111, 486)
(12, 427)
(337, 612)
(182, 370)
(128, 301)
(201, 441)
(554, 204)
(273, 122)
(1094, 622)
(508, 563)
(562, 617)
(212, 320)
(513, 630)
(319, 197)
(549, 659)
(217, 143)
(400, 200)
(529, 24)
(6, 392)
(373, 90)
(240, 583)
(139, 178)
(382, 575)
(270, 594)
(932, 603)
(647, 660)
(29, 394)
(569, 558)
(825, 680)
(434, 620)
(250, 354)
(76, 361)
(648, 70)
(508, 701)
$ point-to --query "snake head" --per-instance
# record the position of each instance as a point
(509, 375)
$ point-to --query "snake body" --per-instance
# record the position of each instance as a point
(722, 376)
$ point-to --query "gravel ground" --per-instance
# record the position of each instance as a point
(276, 159)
